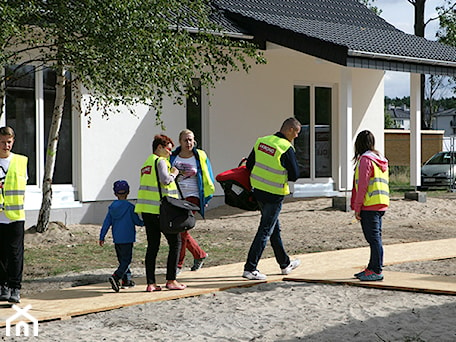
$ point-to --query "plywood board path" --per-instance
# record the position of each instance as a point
(324, 266)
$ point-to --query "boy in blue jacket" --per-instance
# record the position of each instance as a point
(123, 219)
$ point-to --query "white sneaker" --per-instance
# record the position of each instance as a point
(255, 275)
(293, 264)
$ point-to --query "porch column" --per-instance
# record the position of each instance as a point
(415, 130)
(345, 130)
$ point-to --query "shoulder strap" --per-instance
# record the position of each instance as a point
(158, 179)
(159, 184)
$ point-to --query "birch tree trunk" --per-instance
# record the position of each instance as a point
(2, 90)
(51, 152)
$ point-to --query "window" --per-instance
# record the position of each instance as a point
(313, 108)
(194, 112)
(30, 96)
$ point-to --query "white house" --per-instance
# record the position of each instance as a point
(326, 61)
(400, 116)
(445, 120)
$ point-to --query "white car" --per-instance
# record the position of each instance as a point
(439, 170)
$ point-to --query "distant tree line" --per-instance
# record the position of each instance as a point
(431, 106)
(438, 105)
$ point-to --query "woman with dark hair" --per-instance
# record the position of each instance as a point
(157, 172)
(370, 200)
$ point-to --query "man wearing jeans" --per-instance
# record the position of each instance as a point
(272, 163)
(13, 181)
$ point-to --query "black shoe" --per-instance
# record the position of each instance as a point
(114, 283)
(127, 284)
(4, 293)
(15, 296)
(198, 263)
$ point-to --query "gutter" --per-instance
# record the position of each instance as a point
(217, 33)
(357, 53)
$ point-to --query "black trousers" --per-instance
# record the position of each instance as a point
(12, 253)
(152, 223)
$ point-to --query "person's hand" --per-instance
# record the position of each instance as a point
(174, 171)
(101, 243)
(358, 216)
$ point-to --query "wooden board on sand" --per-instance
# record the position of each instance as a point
(337, 266)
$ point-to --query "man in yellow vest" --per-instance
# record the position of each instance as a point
(272, 163)
(13, 180)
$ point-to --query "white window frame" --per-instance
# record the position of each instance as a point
(312, 86)
(64, 195)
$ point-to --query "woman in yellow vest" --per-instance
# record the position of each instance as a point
(196, 181)
(13, 181)
(370, 200)
(148, 205)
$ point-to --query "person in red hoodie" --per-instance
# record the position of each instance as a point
(370, 200)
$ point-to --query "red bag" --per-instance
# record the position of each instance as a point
(237, 188)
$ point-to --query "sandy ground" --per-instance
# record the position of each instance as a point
(286, 311)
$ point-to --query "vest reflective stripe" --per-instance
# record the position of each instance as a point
(268, 174)
(265, 181)
(12, 196)
(14, 192)
(270, 169)
(378, 189)
(165, 191)
(14, 207)
(148, 195)
(148, 202)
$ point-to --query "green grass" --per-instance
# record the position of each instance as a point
(44, 261)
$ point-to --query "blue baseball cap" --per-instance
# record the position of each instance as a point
(121, 187)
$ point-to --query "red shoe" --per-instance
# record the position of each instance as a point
(175, 287)
(152, 288)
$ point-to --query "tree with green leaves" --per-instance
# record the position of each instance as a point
(420, 24)
(447, 32)
(124, 52)
(370, 4)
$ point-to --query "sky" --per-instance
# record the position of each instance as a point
(400, 13)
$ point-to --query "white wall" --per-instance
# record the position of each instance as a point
(116, 148)
(244, 107)
(368, 104)
(247, 106)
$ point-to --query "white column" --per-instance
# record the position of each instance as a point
(345, 130)
(415, 130)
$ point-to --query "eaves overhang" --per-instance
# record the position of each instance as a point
(370, 60)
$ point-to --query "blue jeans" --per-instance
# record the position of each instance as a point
(124, 252)
(371, 223)
(269, 229)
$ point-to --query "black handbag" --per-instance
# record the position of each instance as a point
(176, 214)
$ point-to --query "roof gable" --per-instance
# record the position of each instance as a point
(341, 31)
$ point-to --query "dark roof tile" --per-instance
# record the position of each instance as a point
(345, 23)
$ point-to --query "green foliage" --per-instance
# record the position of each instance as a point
(370, 4)
(389, 122)
(440, 104)
(129, 51)
(447, 17)
(447, 31)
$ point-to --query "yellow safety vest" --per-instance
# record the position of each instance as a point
(12, 196)
(268, 174)
(208, 184)
(148, 195)
(378, 189)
